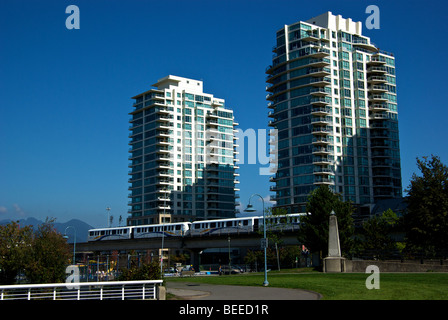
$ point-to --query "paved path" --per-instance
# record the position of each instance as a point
(196, 291)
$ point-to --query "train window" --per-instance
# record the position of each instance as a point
(245, 222)
(229, 223)
(114, 231)
(103, 232)
(213, 225)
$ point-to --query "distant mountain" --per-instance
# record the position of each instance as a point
(80, 226)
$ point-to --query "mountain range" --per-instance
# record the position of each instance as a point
(80, 226)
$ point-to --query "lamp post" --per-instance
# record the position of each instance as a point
(250, 208)
(108, 216)
(230, 268)
(74, 242)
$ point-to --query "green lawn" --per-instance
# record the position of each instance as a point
(344, 286)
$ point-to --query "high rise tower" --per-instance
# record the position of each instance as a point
(182, 149)
(334, 102)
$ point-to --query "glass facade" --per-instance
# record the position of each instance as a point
(333, 100)
(181, 155)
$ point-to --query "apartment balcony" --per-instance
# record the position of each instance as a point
(377, 98)
(322, 130)
(162, 110)
(376, 69)
(163, 181)
(319, 180)
(323, 151)
(320, 140)
(363, 43)
(376, 60)
(321, 81)
(319, 52)
(164, 149)
(164, 206)
(164, 198)
(318, 170)
(378, 107)
(376, 79)
(271, 114)
(319, 72)
(321, 111)
(163, 141)
(321, 121)
(319, 62)
(164, 173)
(212, 123)
(164, 157)
(212, 115)
(310, 36)
(319, 92)
(322, 160)
(271, 123)
(377, 88)
(319, 101)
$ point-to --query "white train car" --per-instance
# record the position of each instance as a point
(102, 234)
(223, 226)
(157, 230)
(288, 222)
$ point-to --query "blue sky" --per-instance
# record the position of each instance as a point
(66, 94)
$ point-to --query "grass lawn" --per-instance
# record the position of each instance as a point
(344, 286)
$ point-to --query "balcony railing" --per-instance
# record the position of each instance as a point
(116, 290)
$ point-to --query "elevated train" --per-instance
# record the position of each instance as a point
(198, 228)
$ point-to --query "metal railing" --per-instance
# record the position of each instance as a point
(113, 290)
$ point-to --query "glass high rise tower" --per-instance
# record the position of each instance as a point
(334, 103)
(182, 154)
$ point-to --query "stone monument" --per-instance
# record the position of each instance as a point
(334, 262)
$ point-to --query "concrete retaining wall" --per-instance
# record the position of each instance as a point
(398, 266)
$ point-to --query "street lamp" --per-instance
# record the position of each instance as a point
(230, 268)
(250, 208)
(74, 242)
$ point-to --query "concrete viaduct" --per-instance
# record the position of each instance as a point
(192, 244)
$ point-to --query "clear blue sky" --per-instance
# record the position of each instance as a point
(66, 94)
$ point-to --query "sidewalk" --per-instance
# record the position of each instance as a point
(196, 291)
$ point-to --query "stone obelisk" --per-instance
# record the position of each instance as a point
(334, 262)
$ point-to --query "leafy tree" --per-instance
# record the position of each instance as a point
(426, 220)
(49, 255)
(314, 226)
(15, 248)
(42, 255)
(376, 234)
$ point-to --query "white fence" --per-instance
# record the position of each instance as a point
(112, 290)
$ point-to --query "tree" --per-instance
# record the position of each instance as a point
(314, 226)
(376, 234)
(49, 255)
(42, 255)
(15, 248)
(426, 220)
